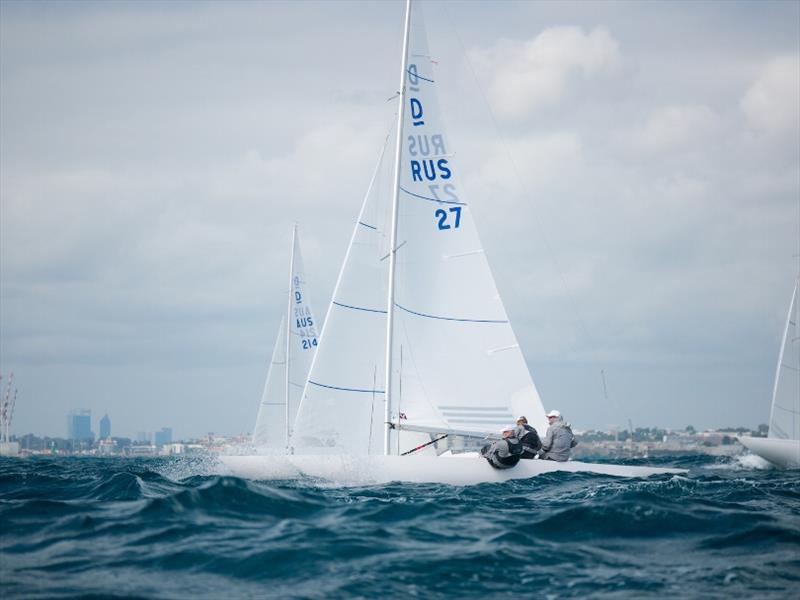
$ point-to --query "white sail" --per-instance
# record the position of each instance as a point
(291, 361)
(270, 429)
(784, 421)
(342, 408)
(456, 361)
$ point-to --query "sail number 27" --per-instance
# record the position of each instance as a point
(446, 218)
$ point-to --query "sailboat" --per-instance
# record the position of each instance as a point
(781, 447)
(416, 345)
(295, 346)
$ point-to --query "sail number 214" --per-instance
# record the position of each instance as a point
(450, 218)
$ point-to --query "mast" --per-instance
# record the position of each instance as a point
(289, 332)
(393, 238)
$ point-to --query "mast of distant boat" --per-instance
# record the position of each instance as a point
(393, 238)
(289, 333)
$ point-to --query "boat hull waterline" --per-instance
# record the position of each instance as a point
(454, 470)
(782, 453)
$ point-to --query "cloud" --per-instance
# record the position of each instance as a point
(149, 186)
(672, 127)
(772, 102)
(537, 159)
(527, 74)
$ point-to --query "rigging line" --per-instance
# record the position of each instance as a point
(399, 396)
(512, 162)
(372, 406)
(419, 378)
(396, 249)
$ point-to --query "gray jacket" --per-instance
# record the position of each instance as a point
(558, 441)
(503, 454)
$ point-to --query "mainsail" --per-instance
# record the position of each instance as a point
(456, 361)
(784, 421)
(456, 364)
(292, 355)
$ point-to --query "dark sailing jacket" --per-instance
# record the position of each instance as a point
(530, 440)
(503, 454)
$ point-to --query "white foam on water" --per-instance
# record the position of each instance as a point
(753, 461)
(742, 462)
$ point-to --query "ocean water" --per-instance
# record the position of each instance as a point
(171, 528)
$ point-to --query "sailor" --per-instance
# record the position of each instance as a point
(559, 439)
(505, 453)
(529, 438)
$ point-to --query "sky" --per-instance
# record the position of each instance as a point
(634, 170)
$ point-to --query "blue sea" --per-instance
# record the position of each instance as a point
(171, 528)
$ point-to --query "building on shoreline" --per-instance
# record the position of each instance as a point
(641, 443)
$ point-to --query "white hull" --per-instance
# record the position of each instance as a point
(783, 453)
(454, 470)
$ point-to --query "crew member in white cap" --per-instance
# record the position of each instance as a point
(505, 453)
(559, 439)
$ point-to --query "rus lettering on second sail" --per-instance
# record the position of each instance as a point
(426, 145)
(430, 169)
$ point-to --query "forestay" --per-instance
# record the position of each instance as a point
(290, 363)
(784, 422)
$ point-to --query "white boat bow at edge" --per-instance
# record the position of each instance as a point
(782, 453)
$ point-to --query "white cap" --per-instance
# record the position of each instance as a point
(522, 418)
(554, 413)
(508, 428)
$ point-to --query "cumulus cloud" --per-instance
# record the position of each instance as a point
(537, 160)
(527, 74)
(677, 126)
(772, 102)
